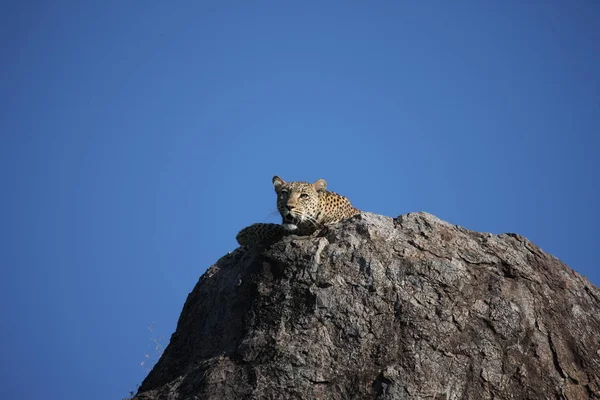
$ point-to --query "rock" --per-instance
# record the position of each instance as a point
(382, 308)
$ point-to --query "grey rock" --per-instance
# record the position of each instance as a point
(383, 308)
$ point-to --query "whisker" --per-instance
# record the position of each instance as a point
(273, 213)
(310, 219)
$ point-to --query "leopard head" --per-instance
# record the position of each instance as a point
(298, 202)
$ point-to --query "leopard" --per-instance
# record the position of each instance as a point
(305, 208)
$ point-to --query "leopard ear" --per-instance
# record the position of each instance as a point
(320, 185)
(278, 183)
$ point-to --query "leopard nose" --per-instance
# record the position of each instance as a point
(289, 207)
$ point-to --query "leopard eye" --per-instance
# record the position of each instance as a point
(283, 192)
(304, 196)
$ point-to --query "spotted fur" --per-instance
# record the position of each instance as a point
(304, 208)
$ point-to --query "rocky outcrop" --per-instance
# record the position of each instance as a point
(383, 308)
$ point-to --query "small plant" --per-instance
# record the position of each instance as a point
(131, 394)
(152, 357)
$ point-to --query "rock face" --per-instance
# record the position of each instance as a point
(383, 308)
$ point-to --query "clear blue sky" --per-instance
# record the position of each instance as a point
(137, 138)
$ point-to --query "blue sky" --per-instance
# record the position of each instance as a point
(137, 138)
